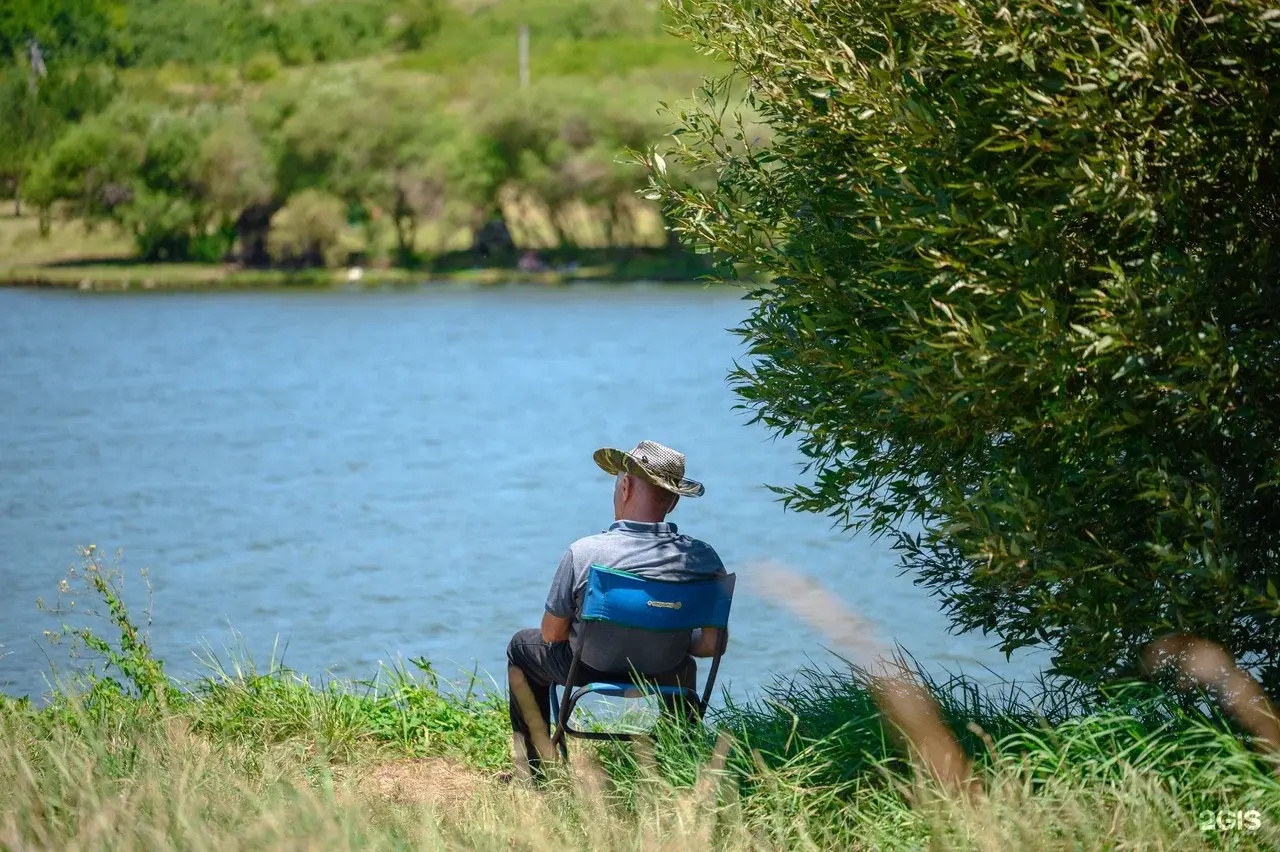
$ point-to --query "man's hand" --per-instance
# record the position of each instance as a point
(554, 628)
(703, 644)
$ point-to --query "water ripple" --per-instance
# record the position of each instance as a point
(380, 474)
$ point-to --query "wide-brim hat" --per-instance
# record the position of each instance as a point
(653, 462)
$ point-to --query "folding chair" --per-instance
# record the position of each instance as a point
(641, 605)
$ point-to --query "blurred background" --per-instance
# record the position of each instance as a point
(298, 134)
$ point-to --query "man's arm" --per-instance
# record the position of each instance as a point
(555, 628)
(559, 610)
(703, 643)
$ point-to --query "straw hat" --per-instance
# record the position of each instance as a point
(662, 466)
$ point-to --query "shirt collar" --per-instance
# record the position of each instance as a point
(640, 528)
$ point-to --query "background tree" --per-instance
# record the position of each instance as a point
(236, 174)
(144, 170)
(1026, 299)
(376, 146)
(307, 231)
(50, 76)
(65, 29)
(91, 169)
(416, 21)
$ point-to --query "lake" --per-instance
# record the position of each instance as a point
(355, 477)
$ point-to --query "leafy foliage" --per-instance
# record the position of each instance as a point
(295, 31)
(214, 130)
(64, 29)
(1024, 313)
(38, 108)
(307, 230)
(143, 170)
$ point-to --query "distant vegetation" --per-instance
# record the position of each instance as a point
(307, 134)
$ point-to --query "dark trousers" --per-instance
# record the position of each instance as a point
(547, 663)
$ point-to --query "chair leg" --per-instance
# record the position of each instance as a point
(567, 703)
(559, 738)
(682, 709)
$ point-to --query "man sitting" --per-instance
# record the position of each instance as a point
(650, 481)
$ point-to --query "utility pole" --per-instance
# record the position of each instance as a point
(524, 56)
(38, 68)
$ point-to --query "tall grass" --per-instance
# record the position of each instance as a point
(243, 758)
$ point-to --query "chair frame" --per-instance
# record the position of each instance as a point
(640, 682)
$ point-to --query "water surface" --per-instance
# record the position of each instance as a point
(357, 477)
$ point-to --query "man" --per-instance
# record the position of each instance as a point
(650, 481)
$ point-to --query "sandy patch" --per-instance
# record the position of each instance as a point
(434, 781)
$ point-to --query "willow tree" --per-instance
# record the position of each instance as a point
(1024, 305)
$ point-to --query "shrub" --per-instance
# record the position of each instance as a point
(307, 231)
(172, 228)
(260, 68)
(1026, 271)
(416, 22)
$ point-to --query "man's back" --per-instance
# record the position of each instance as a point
(655, 551)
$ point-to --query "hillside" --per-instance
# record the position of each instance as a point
(301, 134)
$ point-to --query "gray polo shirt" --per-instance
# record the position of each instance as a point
(654, 551)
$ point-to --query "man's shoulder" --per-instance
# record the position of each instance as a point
(704, 553)
(588, 542)
(591, 548)
(611, 544)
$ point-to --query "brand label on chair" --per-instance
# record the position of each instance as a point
(664, 604)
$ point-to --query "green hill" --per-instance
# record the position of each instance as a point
(296, 133)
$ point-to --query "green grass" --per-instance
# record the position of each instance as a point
(604, 57)
(22, 245)
(124, 758)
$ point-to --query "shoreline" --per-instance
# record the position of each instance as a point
(124, 277)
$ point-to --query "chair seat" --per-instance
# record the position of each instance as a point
(623, 689)
(613, 689)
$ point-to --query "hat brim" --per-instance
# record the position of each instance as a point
(614, 462)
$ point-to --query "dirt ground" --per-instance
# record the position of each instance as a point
(442, 783)
(446, 784)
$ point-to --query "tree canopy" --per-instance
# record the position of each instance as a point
(191, 123)
(1025, 308)
(66, 28)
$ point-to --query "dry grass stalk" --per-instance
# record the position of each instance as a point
(532, 715)
(901, 698)
(918, 718)
(1202, 663)
(700, 811)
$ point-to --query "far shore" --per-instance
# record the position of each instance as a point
(74, 257)
(116, 276)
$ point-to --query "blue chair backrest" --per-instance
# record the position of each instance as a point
(619, 597)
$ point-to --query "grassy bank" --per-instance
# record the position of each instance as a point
(125, 276)
(72, 256)
(265, 760)
(269, 761)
